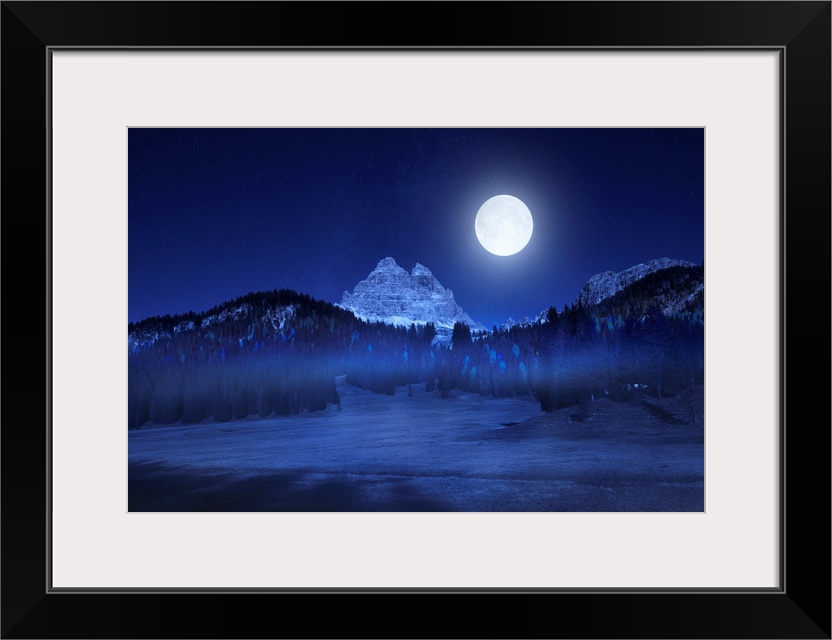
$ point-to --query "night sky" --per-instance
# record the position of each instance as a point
(217, 213)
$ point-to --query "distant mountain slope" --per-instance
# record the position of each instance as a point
(607, 284)
(676, 291)
(236, 318)
(673, 286)
(392, 295)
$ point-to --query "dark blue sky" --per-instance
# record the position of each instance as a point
(217, 213)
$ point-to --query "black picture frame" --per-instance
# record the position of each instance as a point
(800, 608)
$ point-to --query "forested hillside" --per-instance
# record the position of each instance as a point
(278, 353)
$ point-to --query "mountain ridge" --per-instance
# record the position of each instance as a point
(607, 283)
(604, 287)
(417, 298)
(391, 295)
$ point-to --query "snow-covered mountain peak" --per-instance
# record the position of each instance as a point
(421, 270)
(511, 323)
(387, 263)
(392, 295)
(388, 266)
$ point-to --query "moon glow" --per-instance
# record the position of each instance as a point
(504, 225)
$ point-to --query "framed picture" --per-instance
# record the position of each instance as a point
(84, 82)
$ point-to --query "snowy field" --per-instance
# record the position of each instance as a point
(425, 453)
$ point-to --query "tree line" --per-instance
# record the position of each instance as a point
(278, 353)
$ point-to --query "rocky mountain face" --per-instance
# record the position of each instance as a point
(672, 294)
(607, 284)
(271, 309)
(511, 323)
(147, 332)
(392, 295)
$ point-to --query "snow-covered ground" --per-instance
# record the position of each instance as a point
(422, 453)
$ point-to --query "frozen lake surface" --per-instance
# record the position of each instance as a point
(424, 453)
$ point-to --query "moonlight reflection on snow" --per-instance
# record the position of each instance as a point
(421, 452)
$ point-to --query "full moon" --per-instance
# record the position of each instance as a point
(504, 225)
